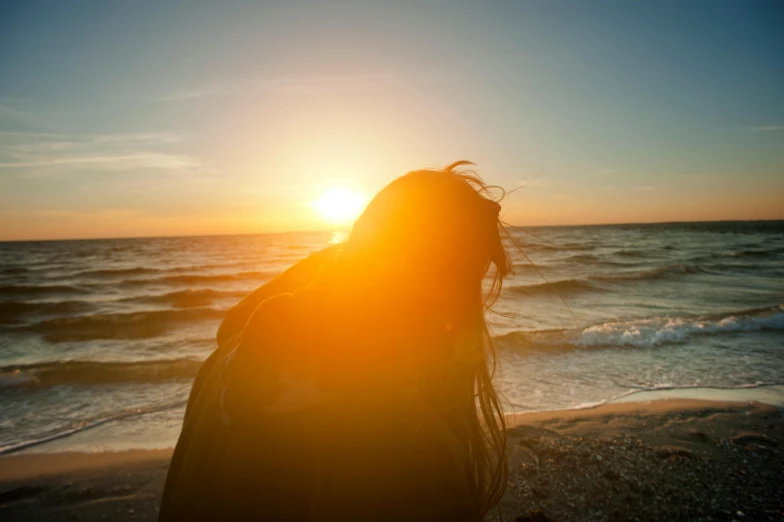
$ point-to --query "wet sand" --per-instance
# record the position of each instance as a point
(663, 460)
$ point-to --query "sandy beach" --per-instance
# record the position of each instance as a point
(663, 460)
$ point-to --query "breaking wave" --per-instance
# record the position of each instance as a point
(656, 332)
(582, 258)
(14, 270)
(755, 252)
(632, 253)
(590, 283)
(654, 273)
(13, 311)
(20, 312)
(554, 287)
(197, 279)
(189, 298)
(131, 325)
(40, 290)
(119, 272)
(646, 333)
(44, 375)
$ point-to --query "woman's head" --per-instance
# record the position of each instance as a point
(439, 231)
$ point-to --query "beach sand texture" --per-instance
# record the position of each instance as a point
(663, 460)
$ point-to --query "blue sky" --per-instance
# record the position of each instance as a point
(148, 118)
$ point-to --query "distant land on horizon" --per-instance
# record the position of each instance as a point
(337, 230)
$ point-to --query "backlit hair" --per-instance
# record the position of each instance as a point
(440, 231)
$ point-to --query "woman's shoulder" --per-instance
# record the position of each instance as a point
(296, 277)
(269, 373)
(269, 313)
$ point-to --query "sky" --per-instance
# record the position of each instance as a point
(176, 118)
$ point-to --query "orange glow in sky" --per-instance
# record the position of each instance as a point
(290, 119)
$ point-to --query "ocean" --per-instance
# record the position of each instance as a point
(100, 339)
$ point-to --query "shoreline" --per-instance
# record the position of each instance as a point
(83, 439)
(662, 459)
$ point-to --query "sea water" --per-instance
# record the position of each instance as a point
(100, 339)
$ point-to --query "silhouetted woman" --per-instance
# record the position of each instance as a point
(357, 384)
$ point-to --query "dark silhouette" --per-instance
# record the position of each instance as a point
(357, 384)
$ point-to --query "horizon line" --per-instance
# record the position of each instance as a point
(332, 231)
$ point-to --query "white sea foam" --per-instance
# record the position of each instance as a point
(87, 425)
(655, 332)
(672, 391)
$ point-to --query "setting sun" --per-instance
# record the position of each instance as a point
(340, 205)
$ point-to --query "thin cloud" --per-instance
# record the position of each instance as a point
(233, 87)
(644, 188)
(194, 94)
(112, 213)
(8, 111)
(48, 139)
(295, 85)
(767, 128)
(26, 118)
(534, 182)
(141, 159)
(137, 151)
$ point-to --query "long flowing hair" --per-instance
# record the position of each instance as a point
(447, 221)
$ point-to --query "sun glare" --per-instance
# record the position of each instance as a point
(340, 205)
